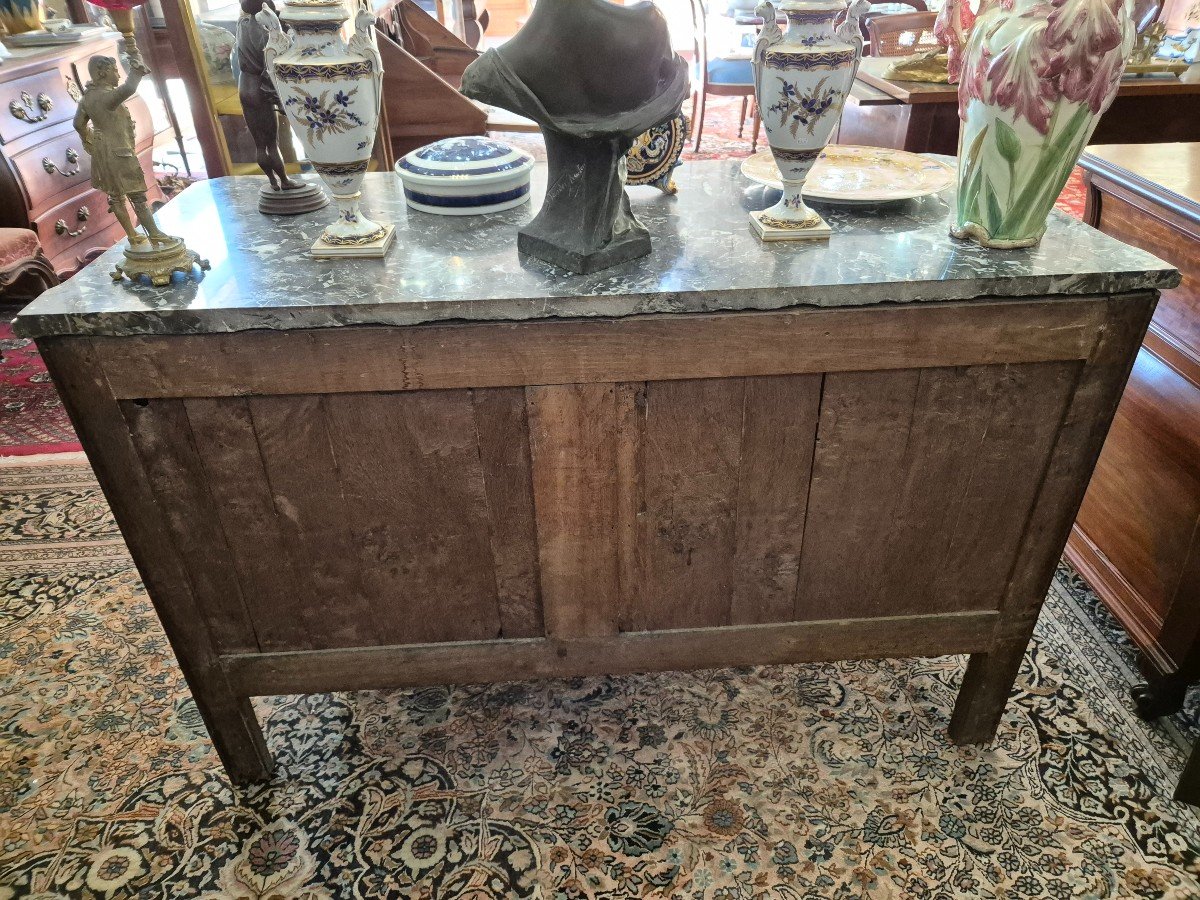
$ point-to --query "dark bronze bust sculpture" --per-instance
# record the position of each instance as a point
(594, 76)
(260, 108)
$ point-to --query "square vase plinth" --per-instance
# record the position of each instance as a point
(374, 250)
(771, 231)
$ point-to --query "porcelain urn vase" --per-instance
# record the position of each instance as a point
(331, 90)
(1035, 78)
(801, 81)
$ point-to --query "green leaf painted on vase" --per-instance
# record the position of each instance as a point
(1059, 154)
(992, 213)
(1007, 142)
(968, 195)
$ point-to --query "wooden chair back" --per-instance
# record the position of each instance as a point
(902, 34)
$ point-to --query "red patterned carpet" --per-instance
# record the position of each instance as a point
(33, 421)
(32, 418)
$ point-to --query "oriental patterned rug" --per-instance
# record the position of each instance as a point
(32, 418)
(784, 782)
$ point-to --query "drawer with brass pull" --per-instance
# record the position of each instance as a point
(34, 102)
(68, 223)
(60, 164)
(82, 214)
(84, 221)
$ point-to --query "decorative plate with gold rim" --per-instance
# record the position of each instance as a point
(848, 174)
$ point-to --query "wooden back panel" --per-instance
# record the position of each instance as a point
(583, 509)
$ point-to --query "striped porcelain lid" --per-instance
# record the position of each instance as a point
(477, 159)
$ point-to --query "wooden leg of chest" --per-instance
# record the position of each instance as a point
(229, 717)
(990, 676)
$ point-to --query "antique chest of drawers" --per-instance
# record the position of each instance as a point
(45, 176)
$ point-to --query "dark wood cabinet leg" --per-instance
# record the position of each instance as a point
(1188, 789)
(1159, 697)
(1161, 694)
(985, 689)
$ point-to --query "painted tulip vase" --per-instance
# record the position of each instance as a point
(801, 81)
(1035, 78)
(331, 90)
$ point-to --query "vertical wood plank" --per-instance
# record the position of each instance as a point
(951, 412)
(572, 431)
(163, 439)
(409, 470)
(503, 430)
(228, 715)
(228, 449)
(990, 521)
(691, 447)
(989, 677)
(862, 442)
(778, 438)
(301, 471)
(934, 523)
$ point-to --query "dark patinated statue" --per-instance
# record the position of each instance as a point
(594, 76)
(261, 108)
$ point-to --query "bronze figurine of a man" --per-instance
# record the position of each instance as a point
(106, 129)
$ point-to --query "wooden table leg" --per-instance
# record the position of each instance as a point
(985, 689)
(97, 418)
(1188, 789)
(990, 676)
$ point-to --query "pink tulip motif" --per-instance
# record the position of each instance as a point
(1034, 76)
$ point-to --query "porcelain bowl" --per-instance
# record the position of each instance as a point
(465, 176)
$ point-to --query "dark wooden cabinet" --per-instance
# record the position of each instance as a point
(1137, 537)
(45, 177)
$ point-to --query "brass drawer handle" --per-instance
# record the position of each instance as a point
(27, 110)
(72, 158)
(73, 89)
(60, 227)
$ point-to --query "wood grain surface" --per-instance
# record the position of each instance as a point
(373, 507)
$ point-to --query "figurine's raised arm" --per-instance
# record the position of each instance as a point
(137, 71)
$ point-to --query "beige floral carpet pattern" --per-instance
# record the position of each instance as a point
(788, 782)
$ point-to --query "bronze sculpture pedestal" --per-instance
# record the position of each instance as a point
(305, 197)
(158, 262)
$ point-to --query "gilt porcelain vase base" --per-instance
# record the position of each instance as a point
(157, 264)
(363, 248)
(769, 227)
(305, 198)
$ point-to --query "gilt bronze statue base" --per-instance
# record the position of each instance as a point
(158, 263)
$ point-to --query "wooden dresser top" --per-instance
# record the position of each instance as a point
(1167, 173)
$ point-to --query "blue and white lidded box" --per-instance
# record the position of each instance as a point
(465, 176)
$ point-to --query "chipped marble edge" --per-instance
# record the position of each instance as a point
(191, 321)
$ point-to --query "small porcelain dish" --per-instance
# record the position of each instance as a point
(465, 176)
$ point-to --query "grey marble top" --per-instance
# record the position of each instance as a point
(467, 267)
